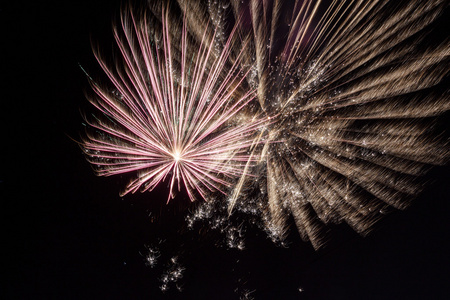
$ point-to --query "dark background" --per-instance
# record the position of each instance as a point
(68, 234)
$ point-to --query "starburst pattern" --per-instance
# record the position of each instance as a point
(173, 112)
(349, 92)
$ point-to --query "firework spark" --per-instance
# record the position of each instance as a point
(343, 87)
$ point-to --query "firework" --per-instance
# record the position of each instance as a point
(173, 111)
(349, 88)
(322, 110)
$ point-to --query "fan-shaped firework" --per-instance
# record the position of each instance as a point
(343, 85)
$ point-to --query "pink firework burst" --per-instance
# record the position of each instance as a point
(174, 112)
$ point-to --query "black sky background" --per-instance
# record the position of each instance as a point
(68, 234)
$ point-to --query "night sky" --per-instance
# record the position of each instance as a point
(69, 235)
